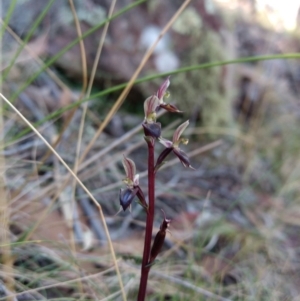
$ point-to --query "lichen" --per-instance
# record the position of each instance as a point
(189, 22)
(202, 89)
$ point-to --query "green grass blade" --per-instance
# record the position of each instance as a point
(72, 44)
(7, 18)
(197, 67)
(155, 76)
(28, 36)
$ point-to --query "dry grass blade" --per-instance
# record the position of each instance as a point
(71, 202)
(191, 286)
(144, 173)
(90, 84)
(52, 74)
(84, 67)
(4, 221)
(62, 283)
(100, 47)
(78, 181)
(82, 49)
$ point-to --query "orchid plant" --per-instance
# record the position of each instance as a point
(152, 131)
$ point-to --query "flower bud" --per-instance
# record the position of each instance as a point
(159, 238)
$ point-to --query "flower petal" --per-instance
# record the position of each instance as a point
(183, 157)
(150, 106)
(129, 167)
(170, 108)
(179, 131)
(165, 142)
(163, 156)
(163, 88)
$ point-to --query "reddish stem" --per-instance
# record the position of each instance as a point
(149, 222)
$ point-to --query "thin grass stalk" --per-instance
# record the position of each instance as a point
(35, 57)
(27, 38)
(61, 283)
(6, 252)
(47, 64)
(7, 17)
(84, 86)
(81, 184)
(71, 45)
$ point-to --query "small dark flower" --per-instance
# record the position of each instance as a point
(133, 188)
(159, 238)
(126, 197)
(174, 145)
(152, 129)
